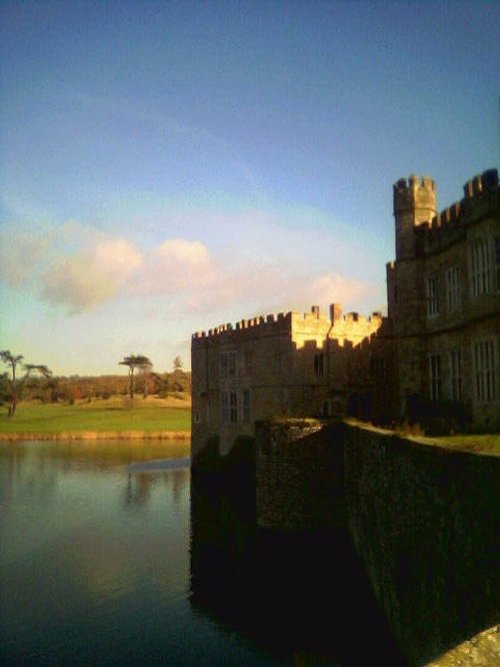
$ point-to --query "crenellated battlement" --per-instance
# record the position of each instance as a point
(480, 198)
(413, 183)
(418, 363)
(261, 323)
(413, 193)
(414, 204)
(312, 318)
(293, 320)
(484, 182)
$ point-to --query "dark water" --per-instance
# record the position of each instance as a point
(108, 556)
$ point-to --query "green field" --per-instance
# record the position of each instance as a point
(113, 415)
(480, 443)
(483, 443)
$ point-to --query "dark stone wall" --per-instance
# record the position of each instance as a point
(424, 521)
(299, 474)
(426, 524)
(303, 599)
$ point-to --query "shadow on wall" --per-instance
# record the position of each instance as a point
(355, 379)
(426, 523)
(299, 597)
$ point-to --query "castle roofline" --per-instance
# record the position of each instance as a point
(283, 322)
(480, 199)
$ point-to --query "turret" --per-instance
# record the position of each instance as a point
(414, 203)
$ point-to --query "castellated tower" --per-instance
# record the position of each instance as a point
(414, 203)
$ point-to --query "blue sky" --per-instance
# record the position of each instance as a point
(166, 167)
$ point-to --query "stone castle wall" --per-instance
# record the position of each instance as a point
(429, 250)
(295, 365)
(299, 472)
(290, 365)
(425, 522)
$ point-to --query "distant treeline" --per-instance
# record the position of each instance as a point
(72, 388)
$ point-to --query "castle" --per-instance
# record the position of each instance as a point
(435, 355)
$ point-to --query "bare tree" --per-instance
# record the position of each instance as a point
(16, 384)
(134, 361)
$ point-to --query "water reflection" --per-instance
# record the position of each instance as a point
(138, 488)
(304, 599)
(102, 562)
(83, 579)
(90, 454)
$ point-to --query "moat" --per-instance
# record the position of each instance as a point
(107, 559)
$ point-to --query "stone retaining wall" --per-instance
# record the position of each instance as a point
(299, 472)
(424, 520)
(426, 523)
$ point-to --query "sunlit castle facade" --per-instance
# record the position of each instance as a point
(436, 355)
(444, 300)
(289, 365)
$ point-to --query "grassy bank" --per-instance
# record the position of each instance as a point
(114, 417)
(481, 443)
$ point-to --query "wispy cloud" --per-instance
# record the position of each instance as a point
(200, 138)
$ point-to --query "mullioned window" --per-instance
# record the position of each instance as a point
(484, 361)
(480, 257)
(432, 296)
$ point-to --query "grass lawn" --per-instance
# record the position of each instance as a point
(484, 443)
(481, 443)
(100, 415)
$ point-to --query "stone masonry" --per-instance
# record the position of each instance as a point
(288, 366)
(444, 300)
(436, 355)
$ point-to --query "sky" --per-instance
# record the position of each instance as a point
(166, 167)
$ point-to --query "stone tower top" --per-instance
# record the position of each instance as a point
(414, 203)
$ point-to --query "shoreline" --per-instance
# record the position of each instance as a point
(97, 435)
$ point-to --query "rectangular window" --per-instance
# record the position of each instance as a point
(248, 363)
(319, 364)
(224, 404)
(480, 266)
(196, 417)
(432, 296)
(484, 359)
(456, 375)
(227, 365)
(435, 389)
(452, 289)
(246, 406)
(233, 407)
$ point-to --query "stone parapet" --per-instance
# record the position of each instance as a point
(299, 475)
(292, 321)
(424, 521)
(481, 198)
(274, 324)
(413, 190)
